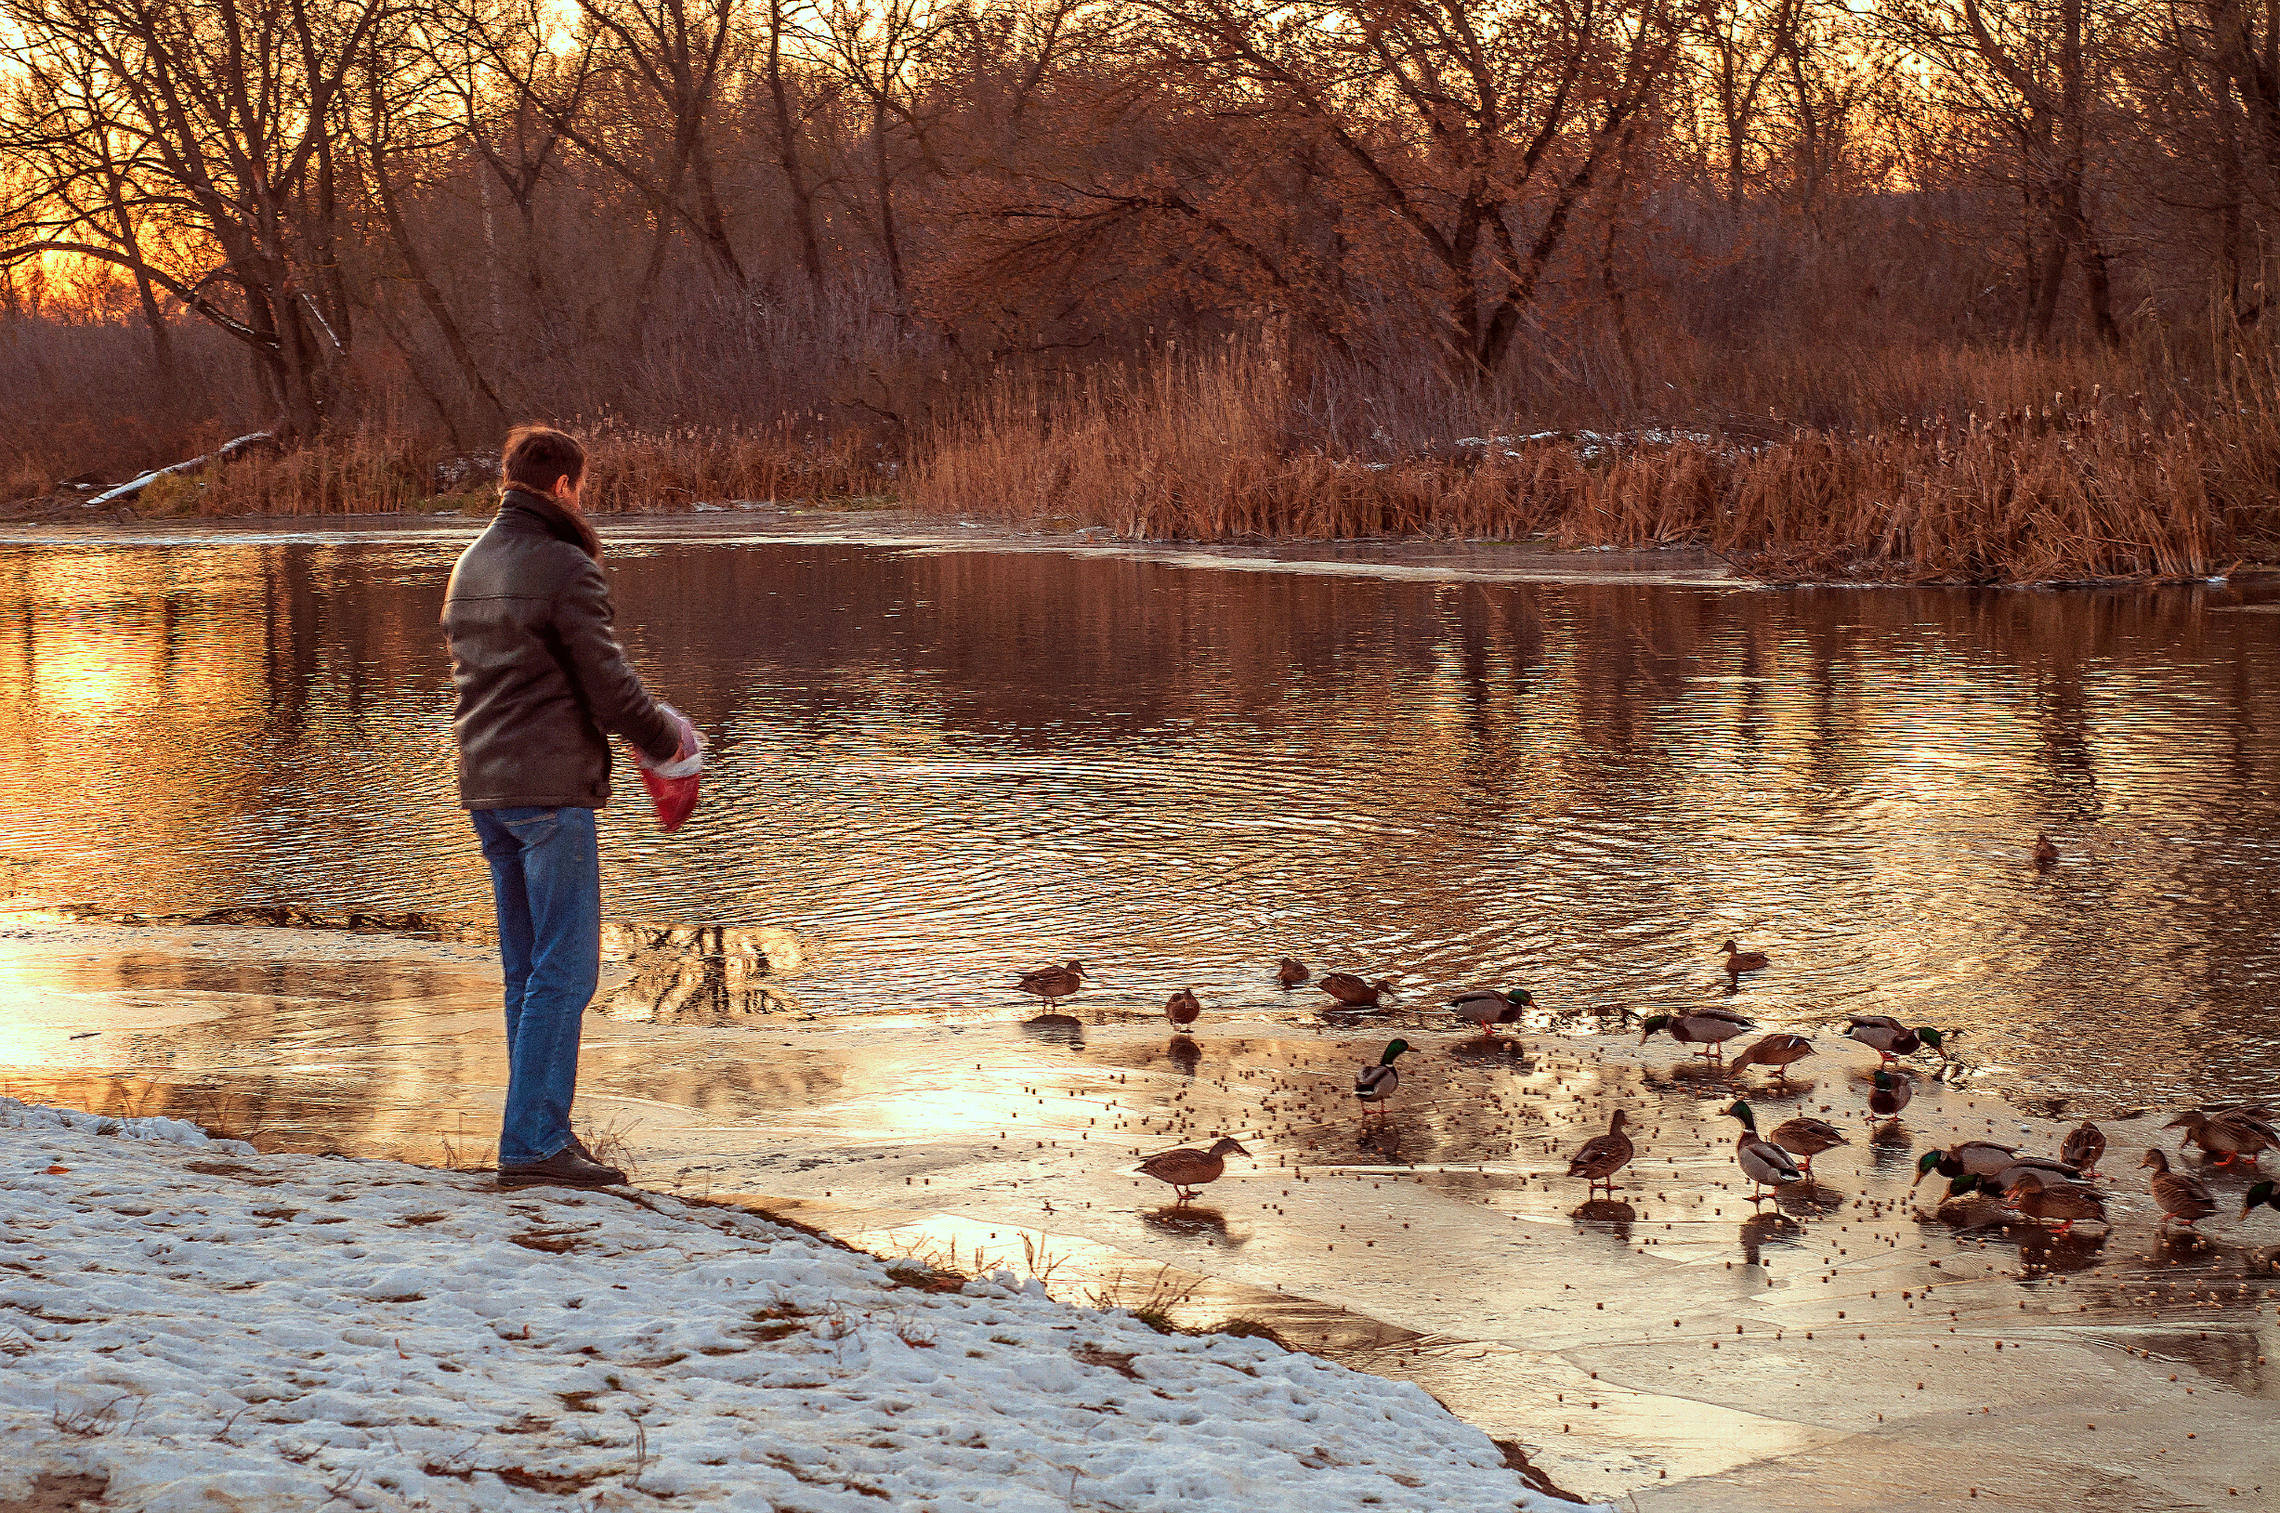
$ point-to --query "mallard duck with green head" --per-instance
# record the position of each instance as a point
(1374, 1084)
(1891, 1039)
(1973, 1158)
(2262, 1195)
(1490, 1007)
(1891, 1092)
(1763, 1162)
(1708, 1028)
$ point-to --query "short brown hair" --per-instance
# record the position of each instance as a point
(535, 456)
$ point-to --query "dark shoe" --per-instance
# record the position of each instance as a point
(567, 1167)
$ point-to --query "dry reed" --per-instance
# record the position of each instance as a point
(2084, 485)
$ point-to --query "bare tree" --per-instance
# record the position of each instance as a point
(223, 120)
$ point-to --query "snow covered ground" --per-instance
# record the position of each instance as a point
(208, 1327)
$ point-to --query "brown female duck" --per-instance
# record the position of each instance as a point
(1779, 1050)
(1352, 991)
(1806, 1138)
(1050, 983)
(1187, 1168)
(2083, 1146)
(2182, 1196)
(1603, 1156)
(1708, 1028)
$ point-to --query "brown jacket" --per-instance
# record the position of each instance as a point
(540, 678)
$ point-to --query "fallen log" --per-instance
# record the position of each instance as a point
(222, 453)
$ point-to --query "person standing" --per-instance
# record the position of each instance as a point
(540, 684)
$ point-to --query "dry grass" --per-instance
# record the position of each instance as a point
(2081, 485)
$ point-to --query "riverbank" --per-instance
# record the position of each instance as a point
(2082, 489)
(1678, 1345)
(186, 1320)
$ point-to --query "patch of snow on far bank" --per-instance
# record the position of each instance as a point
(206, 1327)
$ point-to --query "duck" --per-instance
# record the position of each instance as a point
(2182, 1196)
(2082, 1147)
(1292, 973)
(1488, 1007)
(1763, 1162)
(1711, 1028)
(1603, 1156)
(2069, 1203)
(2038, 1170)
(1739, 961)
(1187, 1168)
(1050, 983)
(1352, 991)
(2264, 1194)
(1183, 1009)
(1891, 1039)
(1890, 1095)
(2046, 852)
(2229, 1133)
(1374, 1084)
(1973, 1158)
(1777, 1050)
(1806, 1138)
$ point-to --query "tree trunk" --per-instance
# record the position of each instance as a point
(890, 243)
(788, 151)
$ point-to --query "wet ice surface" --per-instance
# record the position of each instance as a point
(1681, 1346)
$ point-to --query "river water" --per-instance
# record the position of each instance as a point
(940, 761)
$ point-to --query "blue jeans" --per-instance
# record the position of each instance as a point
(546, 878)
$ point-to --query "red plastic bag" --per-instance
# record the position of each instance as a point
(675, 798)
(673, 785)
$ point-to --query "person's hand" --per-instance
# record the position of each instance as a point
(688, 746)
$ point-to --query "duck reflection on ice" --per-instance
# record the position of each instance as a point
(1383, 1140)
(1060, 1029)
(1607, 1213)
(2042, 1253)
(1797, 1090)
(1764, 1229)
(1497, 1052)
(1184, 1054)
(1188, 1222)
(1809, 1200)
(1890, 1145)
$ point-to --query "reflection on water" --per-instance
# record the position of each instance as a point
(935, 767)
